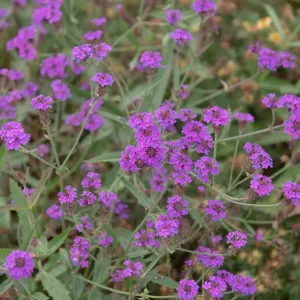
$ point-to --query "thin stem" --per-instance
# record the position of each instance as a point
(203, 253)
(37, 157)
(242, 181)
(215, 155)
(121, 292)
(241, 136)
(152, 265)
(233, 163)
(53, 146)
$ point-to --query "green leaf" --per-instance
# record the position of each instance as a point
(196, 215)
(54, 287)
(140, 196)
(112, 117)
(65, 258)
(3, 253)
(106, 157)
(4, 216)
(101, 270)
(162, 280)
(39, 188)
(9, 207)
(276, 21)
(39, 296)
(19, 199)
(2, 154)
(5, 285)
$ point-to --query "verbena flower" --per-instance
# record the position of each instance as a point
(61, 90)
(54, 212)
(215, 210)
(103, 79)
(159, 179)
(42, 102)
(93, 35)
(216, 116)
(145, 238)
(181, 37)
(101, 51)
(105, 240)
(55, 66)
(208, 260)
(287, 60)
(177, 207)
(80, 252)
(261, 184)
(166, 226)
(87, 198)
(92, 180)
(132, 269)
(291, 102)
(68, 196)
(165, 116)
(85, 224)
(236, 239)
(292, 126)
(186, 115)
(19, 264)
(122, 210)
(204, 7)
(42, 150)
(205, 166)
(244, 119)
(99, 22)
(130, 159)
(243, 285)
(188, 289)
(259, 235)
(107, 198)
(12, 133)
(173, 16)
(215, 286)
(268, 59)
(150, 60)
(270, 101)
(29, 89)
(216, 239)
(82, 53)
(291, 192)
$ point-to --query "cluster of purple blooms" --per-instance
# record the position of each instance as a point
(204, 7)
(47, 11)
(261, 185)
(131, 269)
(80, 252)
(258, 157)
(291, 192)
(42, 103)
(105, 240)
(236, 239)
(215, 210)
(54, 212)
(270, 59)
(149, 61)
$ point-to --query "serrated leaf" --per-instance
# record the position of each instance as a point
(54, 287)
(39, 188)
(39, 296)
(106, 157)
(276, 20)
(19, 199)
(5, 285)
(3, 253)
(140, 196)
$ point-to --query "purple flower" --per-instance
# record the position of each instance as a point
(259, 235)
(181, 161)
(205, 166)
(130, 159)
(12, 133)
(61, 90)
(93, 35)
(68, 196)
(122, 210)
(165, 116)
(92, 180)
(20, 3)
(216, 239)
(19, 264)
(236, 239)
(216, 116)
(42, 150)
(186, 115)
(29, 89)
(187, 290)
(215, 210)
(12, 74)
(99, 22)
(101, 51)
(270, 101)
(166, 226)
(261, 184)
(210, 261)
(105, 240)
(150, 60)
(291, 102)
(181, 177)
(54, 66)
(215, 286)
(54, 212)
(85, 225)
(243, 285)
(42, 102)
(268, 59)
(132, 268)
(7, 109)
(87, 198)
(181, 37)
(204, 7)
(291, 192)
(259, 158)
(82, 53)
(173, 16)
(103, 79)
(145, 238)
(80, 252)
(287, 60)
(226, 276)
(183, 93)
(141, 120)
(107, 198)
(292, 126)
(159, 179)
(244, 119)
(177, 207)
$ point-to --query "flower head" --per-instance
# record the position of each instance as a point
(85, 224)
(205, 166)
(166, 226)
(183, 93)
(42, 150)
(292, 126)
(68, 196)
(107, 198)
(87, 198)
(268, 59)
(287, 60)
(181, 37)
(41, 102)
(215, 210)
(54, 212)
(216, 116)
(80, 252)
(82, 53)
(150, 61)
(188, 289)
(103, 79)
(19, 264)
(243, 285)
(122, 210)
(105, 240)
(236, 239)
(101, 51)
(93, 35)
(177, 207)
(291, 192)
(215, 286)
(270, 101)
(204, 7)
(173, 16)
(210, 261)
(92, 180)
(259, 158)
(61, 90)
(261, 184)
(165, 116)
(145, 238)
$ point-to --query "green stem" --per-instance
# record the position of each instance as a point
(152, 265)
(53, 146)
(242, 181)
(232, 165)
(215, 156)
(203, 253)
(36, 156)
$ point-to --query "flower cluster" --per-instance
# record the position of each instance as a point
(88, 51)
(12, 133)
(262, 185)
(149, 61)
(54, 212)
(105, 240)
(215, 210)
(204, 7)
(210, 258)
(85, 224)
(173, 16)
(291, 192)
(205, 166)
(187, 290)
(131, 269)
(181, 37)
(80, 252)
(68, 196)
(236, 239)
(258, 157)
(92, 180)
(42, 102)
(47, 11)
(55, 66)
